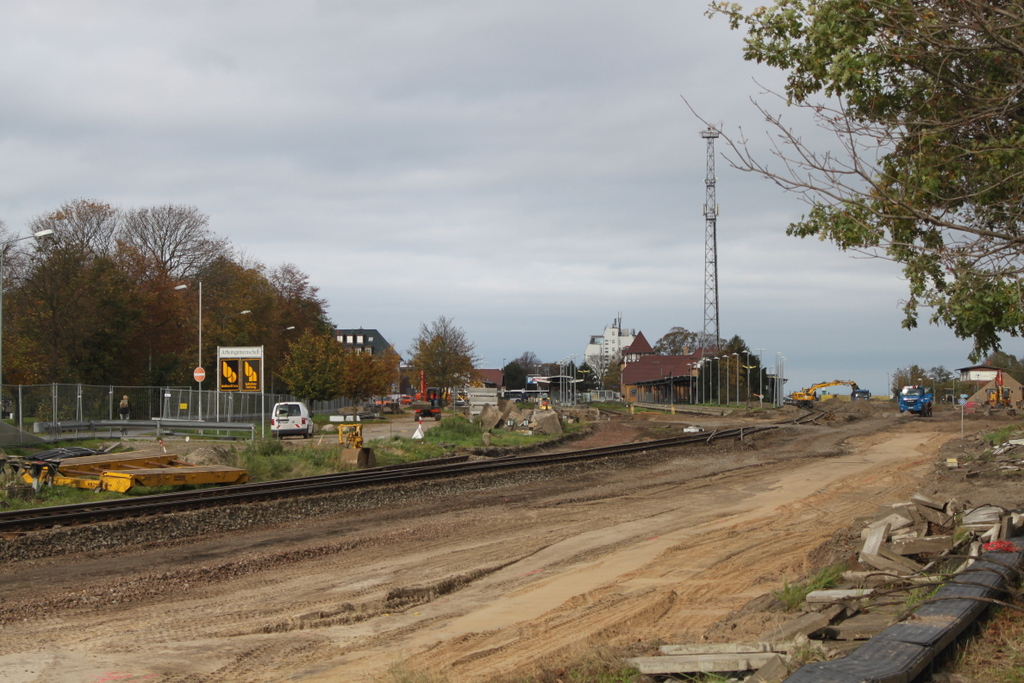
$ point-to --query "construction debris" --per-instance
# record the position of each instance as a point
(922, 542)
(507, 416)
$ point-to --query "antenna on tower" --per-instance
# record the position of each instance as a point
(711, 330)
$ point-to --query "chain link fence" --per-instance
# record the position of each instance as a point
(26, 404)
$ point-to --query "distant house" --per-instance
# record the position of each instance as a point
(650, 378)
(491, 378)
(986, 378)
(362, 341)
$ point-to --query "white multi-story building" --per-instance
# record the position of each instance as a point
(606, 348)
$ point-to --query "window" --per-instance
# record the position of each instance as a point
(359, 339)
(348, 339)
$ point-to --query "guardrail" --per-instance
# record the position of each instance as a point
(161, 427)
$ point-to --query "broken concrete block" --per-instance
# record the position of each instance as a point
(894, 520)
(489, 417)
(881, 563)
(772, 671)
(860, 627)
(548, 422)
(683, 664)
(936, 517)
(915, 546)
(836, 595)
(986, 515)
(910, 565)
(927, 501)
(805, 624)
(878, 534)
(718, 648)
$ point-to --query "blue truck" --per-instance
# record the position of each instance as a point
(917, 400)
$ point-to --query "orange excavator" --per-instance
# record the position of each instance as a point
(428, 401)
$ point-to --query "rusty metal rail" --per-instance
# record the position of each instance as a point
(87, 513)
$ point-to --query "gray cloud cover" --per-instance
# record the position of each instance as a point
(528, 169)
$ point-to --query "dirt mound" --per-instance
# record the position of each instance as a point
(862, 408)
(208, 455)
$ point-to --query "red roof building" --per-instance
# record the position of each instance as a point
(650, 378)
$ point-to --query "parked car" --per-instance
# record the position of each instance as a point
(291, 419)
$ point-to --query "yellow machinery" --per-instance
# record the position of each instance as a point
(999, 398)
(121, 472)
(353, 453)
(805, 397)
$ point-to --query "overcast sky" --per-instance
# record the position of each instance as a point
(527, 169)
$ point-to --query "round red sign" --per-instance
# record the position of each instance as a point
(199, 374)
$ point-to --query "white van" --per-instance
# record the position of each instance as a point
(291, 419)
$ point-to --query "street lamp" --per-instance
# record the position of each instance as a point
(718, 378)
(3, 252)
(737, 377)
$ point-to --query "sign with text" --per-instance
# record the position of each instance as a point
(240, 368)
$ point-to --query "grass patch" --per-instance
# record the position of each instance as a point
(450, 436)
(792, 595)
(996, 653)
(596, 665)
(1001, 436)
(268, 460)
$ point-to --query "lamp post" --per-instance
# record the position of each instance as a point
(199, 383)
(760, 372)
(746, 365)
(718, 379)
(3, 252)
(737, 377)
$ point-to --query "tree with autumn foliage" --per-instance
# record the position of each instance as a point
(365, 375)
(112, 297)
(314, 366)
(444, 353)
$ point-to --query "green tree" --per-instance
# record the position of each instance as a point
(611, 378)
(923, 97)
(588, 380)
(444, 353)
(677, 342)
(313, 366)
(515, 375)
(1008, 362)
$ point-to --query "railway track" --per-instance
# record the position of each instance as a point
(88, 513)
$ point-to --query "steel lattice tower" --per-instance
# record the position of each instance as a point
(711, 329)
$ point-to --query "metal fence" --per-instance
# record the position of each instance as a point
(25, 404)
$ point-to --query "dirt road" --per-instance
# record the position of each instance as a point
(471, 586)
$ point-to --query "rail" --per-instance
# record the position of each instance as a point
(83, 513)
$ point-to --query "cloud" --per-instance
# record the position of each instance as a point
(528, 169)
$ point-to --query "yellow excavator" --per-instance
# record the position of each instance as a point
(805, 397)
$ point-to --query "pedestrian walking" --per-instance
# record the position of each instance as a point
(124, 410)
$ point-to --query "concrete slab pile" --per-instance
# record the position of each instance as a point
(906, 545)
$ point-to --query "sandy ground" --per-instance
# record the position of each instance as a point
(476, 586)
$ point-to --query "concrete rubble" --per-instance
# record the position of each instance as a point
(507, 416)
(918, 543)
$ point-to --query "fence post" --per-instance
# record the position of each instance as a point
(21, 413)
